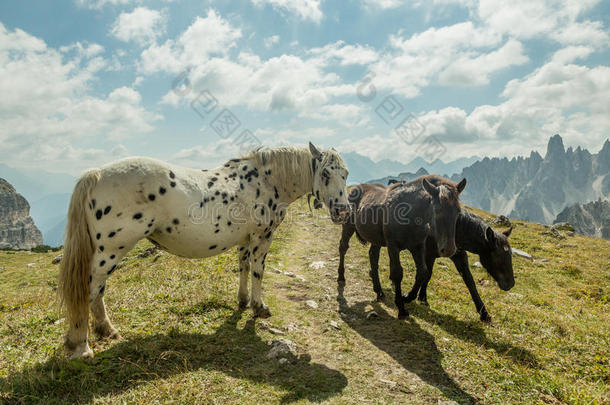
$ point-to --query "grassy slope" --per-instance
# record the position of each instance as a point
(183, 339)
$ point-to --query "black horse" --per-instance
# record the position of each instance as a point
(472, 235)
(403, 216)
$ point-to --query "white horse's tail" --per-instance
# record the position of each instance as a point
(78, 250)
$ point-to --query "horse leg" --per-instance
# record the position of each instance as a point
(347, 231)
(76, 342)
(374, 259)
(244, 273)
(396, 277)
(460, 259)
(421, 272)
(108, 253)
(422, 296)
(103, 327)
(259, 247)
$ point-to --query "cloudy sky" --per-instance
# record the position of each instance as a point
(85, 82)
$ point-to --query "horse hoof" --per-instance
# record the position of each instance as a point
(107, 332)
(243, 304)
(262, 312)
(403, 315)
(485, 318)
(83, 351)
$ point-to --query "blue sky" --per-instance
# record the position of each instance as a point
(85, 82)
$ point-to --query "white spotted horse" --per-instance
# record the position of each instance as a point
(187, 212)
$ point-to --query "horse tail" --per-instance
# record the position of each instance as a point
(74, 269)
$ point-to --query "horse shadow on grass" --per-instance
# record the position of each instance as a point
(135, 361)
(407, 343)
(471, 331)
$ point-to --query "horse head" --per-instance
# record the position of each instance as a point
(445, 211)
(330, 174)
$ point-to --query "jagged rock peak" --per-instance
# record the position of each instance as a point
(17, 229)
(555, 147)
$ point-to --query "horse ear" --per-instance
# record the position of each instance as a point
(315, 152)
(508, 231)
(490, 235)
(431, 188)
(461, 185)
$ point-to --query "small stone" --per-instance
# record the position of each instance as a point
(483, 282)
(283, 361)
(277, 271)
(477, 264)
(391, 384)
(158, 256)
(317, 265)
(290, 274)
(570, 233)
(521, 253)
(311, 304)
(335, 325)
(502, 221)
(31, 265)
(57, 259)
(276, 331)
(282, 348)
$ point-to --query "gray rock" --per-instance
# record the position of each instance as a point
(282, 348)
(502, 220)
(477, 264)
(311, 304)
(521, 253)
(58, 259)
(17, 228)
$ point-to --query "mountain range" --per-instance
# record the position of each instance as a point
(362, 169)
(534, 188)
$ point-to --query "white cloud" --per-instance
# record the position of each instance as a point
(142, 25)
(467, 70)
(304, 9)
(204, 38)
(280, 83)
(416, 62)
(99, 4)
(556, 19)
(270, 41)
(344, 55)
(46, 108)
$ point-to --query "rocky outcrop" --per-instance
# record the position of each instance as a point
(17, 229)
(591, 219)
(536, 189)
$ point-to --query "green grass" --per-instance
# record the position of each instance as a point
(184, 341)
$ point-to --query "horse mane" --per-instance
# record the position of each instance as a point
(472, 229)
(290, 163)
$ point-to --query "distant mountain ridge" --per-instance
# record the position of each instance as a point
(591, 219)
(363, 169)
(536, 189)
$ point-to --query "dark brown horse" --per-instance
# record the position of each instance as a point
(472, 235)
(401, 217)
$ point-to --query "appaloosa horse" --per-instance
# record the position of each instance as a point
(191, 213)
(473, 235)
(401, 217)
